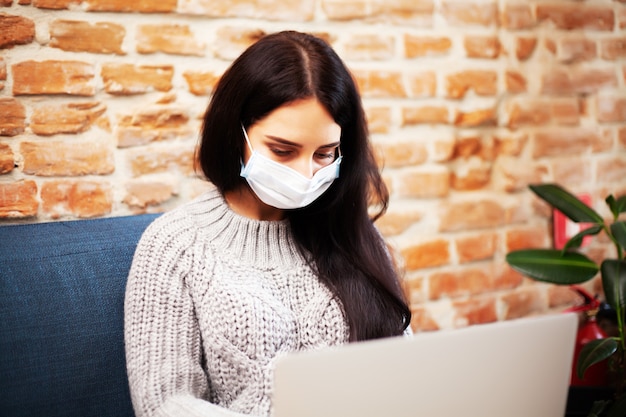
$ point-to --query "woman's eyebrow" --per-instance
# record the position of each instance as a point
(297, 145)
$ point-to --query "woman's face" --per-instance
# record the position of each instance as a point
(301, 135)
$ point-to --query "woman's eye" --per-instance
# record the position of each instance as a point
(325, 155)
(280, 152)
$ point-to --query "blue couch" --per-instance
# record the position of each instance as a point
(61, 317)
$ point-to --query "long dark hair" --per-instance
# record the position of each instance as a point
(336, 232)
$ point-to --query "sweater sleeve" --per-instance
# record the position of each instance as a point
(163, 343)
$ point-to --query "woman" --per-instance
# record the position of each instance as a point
(280, 257)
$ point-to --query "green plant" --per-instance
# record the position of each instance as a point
(569, 266)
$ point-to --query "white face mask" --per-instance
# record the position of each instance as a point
(279, 186)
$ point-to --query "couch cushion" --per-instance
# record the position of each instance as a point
(61, 307)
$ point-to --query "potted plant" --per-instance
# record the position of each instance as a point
(570, 266)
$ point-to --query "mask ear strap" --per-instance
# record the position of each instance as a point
(245, 134)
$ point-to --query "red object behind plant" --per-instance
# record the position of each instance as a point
(588, 330)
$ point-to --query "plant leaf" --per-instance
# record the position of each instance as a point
(594, 352)
(617, 206)
(567, 203)
(551, 265)
(618, 229)
(618, 409)
(577, 240)
(598, 407)
(614, 282)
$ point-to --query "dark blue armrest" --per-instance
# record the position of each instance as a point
(61, 317)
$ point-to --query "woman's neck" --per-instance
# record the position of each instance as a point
(244, 202)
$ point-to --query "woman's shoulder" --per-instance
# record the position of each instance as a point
(181, 223)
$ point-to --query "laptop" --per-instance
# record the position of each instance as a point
(517, 368)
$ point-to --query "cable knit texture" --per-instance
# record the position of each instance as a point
(213, 299)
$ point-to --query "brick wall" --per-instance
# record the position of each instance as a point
(468, 102)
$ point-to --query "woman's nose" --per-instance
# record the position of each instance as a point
(304, 166)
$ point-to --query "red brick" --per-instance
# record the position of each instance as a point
(576, 49)
(153, 124)
(524, 47)
(510, 144)
(380, 83)
(524, 112)
(422, 320)
(482, 46)
(471, 215)
(551, 46)
(613, 48)
(12, 117)
(77, 36)
(369, 47)
(476, 247)
(422, 84)
(517, 16)
(611, 108)
(52, 119)
(425, 115)
(15, 30)
(483, 147)
(522, 303)
(417, 12)
(475, 311)
(516, 82)
(611, 169)
(443, 149)
(3, 71)
(577, 16)
(288, 10)
(67, 158)
(621, 17)
(76, 198)
(143, 6)
(378, 119)
(562, 296)
(413, 289)
(18, 199)
(126, 79)
(423, 183)
(476, 118)
(470, 175)
(559, 142)
(467, 12)
(621, 134)
(53, 4)
(341, 10)
(578, 80)
(201, 83)
(169, 39)
(231, 41)
(484, 83)
(168, 159)
(527, 238)
(6, 3)
(506, 278)
(7, 159)
(420, 46)
(53, 77)
(571, 170)
(141, 194)
(426, 254)
(394, 222)
(512, 174)
(462, 282)
(403, 153)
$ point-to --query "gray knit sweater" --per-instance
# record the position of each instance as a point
(213, 299)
